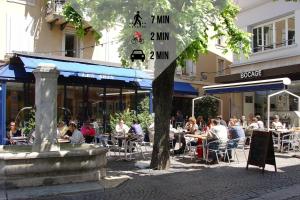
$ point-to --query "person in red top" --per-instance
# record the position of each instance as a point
(88, 132)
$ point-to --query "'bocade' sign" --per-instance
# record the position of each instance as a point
(251, 74)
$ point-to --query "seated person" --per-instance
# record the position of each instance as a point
(260, 122)
(200, 122)
(62, 129)
(252, 126)
(236, 133)
(217, 132)
(77, 137)
(191, 128)
(88, 132)
(276, 124)
(136, 130)
(121, 129)
(13, 132)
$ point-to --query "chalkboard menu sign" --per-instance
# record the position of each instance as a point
(261, 150)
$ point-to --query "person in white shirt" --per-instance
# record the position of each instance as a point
(254, 124)
(276, 124)
(260, 123)
(77, 137)
(219, 130)
(121, 128)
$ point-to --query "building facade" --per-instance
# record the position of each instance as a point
(275, 29)
(35, 30)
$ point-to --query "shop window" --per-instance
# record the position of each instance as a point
(75, 102)
(14, 100)
(248, 99)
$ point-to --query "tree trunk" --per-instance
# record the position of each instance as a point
(163, 94)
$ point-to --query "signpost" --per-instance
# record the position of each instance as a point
(261, 150)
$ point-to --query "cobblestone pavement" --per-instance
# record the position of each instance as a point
(189, 179)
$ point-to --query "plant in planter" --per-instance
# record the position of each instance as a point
(29, 126)
(143, 116)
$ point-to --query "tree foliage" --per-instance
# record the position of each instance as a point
(194, 23)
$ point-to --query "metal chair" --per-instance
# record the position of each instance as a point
(112, 144)
(241, 145)
(232, 146)
(216, 147)
(136, 143)
(288, 140)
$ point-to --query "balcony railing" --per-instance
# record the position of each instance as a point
(284, 43)
(55, 7)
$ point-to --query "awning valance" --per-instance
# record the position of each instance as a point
(250, 86)
(184, 88)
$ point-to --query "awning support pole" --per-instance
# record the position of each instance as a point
(2, 112)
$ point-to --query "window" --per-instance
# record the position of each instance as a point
(221, 67)
(257, 39)
(276, 34)
(190, 68)
(268, 36)
(248, 99)
(220, 41)
(71, 46)
(280, 33)
(291, 30)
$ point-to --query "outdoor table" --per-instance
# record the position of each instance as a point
(20, 140)
(204, 141)
(60, 140)
(125, 138)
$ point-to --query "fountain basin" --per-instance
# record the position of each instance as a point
(19, 167)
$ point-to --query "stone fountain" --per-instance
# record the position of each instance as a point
(45, 163)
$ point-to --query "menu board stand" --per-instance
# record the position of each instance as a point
(261, 150)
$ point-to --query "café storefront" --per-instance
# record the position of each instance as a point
(85, 90)
(251, 99)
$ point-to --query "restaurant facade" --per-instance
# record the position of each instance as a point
(85, 90)
(275, 31)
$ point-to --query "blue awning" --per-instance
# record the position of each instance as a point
(10, 72)
(86, 70)
(184, 88)
(251, 86)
